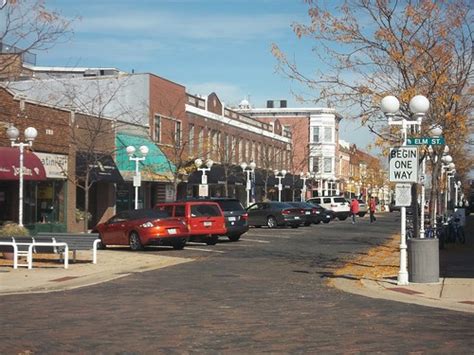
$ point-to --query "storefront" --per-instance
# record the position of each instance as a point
(156, 174)
(34, 177)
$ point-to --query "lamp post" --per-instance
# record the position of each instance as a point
(199, 163)
(457, 187)
(137, 179)
(357, 185)
(390, 105)
(248, 169)
(30, 134)
(304, 177)
(448, 165)
(280, 175)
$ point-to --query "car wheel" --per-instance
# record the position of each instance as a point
(135, 242)
(326, 221)
(234, 238)
(212, 240)
(179, 245)
(307, 224)
(317, 222)
(342, 218)
(271, 222)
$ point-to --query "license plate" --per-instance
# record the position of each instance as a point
(232, 219)
(207, 224)
(307, 212)
(172, 231)
(297, 217)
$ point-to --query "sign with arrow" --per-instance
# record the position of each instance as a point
(426, 141)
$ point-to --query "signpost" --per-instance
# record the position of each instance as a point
(402, 195)
(426, 141)
(403, 164)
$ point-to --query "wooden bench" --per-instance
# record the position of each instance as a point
(76, 241)
(26, 246)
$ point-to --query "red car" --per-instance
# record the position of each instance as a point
(204, 220)
(139, 228)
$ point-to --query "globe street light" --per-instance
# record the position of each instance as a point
(30, 134)
(390, 105)
(248, 169)
(280, 175)
(205, 188)
(457, 187)
(304, 177)
(137, 179)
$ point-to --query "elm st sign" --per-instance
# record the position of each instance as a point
(403, 164)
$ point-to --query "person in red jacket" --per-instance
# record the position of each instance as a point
(372, 206)
(354, 209)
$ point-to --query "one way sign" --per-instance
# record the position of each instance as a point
(403, 164)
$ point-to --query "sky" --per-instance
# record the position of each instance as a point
(221, 46)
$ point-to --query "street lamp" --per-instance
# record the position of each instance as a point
(304, 177)
(137, 179)
(30, 134)
(199, 162)
(280, 175)
(390, 105)
(248, 169)
(457, 186)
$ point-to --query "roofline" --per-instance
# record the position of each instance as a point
(288, 110)
(68, 69)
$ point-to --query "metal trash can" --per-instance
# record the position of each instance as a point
(423, 260)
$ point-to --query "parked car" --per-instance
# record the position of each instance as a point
(326, 215)
(337, 204)
(311, 213)
(140, 228)
(362, 208)
(236, 217)
(273, 214)
(204, 219)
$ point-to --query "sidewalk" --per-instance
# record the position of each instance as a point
(375, 275)
(50, 275)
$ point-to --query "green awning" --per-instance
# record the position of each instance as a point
(156, 167)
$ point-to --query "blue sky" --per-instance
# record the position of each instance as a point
(206, 45)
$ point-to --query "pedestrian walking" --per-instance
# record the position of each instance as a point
(372, 205)
(354, 209)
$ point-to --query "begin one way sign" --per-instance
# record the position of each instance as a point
(403, 164)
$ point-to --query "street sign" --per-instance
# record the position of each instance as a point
(402, 195)
(203, 190)
(403, 164)
(426, 141)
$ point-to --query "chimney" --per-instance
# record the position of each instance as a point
(283, 104)
(269, 103)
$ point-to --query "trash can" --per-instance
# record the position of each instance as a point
(423, 260)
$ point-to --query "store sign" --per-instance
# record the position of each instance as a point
(55, 165)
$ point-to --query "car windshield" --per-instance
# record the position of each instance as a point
(230, 205)
(205, 211)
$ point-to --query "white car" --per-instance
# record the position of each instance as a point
(337, 204)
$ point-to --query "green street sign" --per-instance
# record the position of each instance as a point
(425, 141)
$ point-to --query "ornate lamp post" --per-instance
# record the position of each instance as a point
(30, 134)
(280, 175)
(209, 163)
(390, 105)
(248, 169)
(304, 177)
(137, 179)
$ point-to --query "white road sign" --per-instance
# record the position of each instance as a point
(403, 164)
(402, 195)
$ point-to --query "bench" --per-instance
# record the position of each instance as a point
(26, 246)
(76, 241)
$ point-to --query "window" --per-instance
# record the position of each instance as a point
(179, 211)
(191, 139)
(205, 211)
(328, 134)
(177, 134)
(315, 163)
(315, 134)
(157, 129)
(328, 165)
(200, 142)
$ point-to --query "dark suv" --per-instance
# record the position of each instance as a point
(236, 217)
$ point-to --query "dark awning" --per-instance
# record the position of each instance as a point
(217, 176)
(101, 167)
(33, 169)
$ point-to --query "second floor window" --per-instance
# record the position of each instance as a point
(191, 139)
(177, 134)
(157, 129)
(328, 165)
(315, 167)
(328, 134)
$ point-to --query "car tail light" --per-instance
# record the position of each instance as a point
(147, 225)
(244, 217)
(285, 212)
(315, 211)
